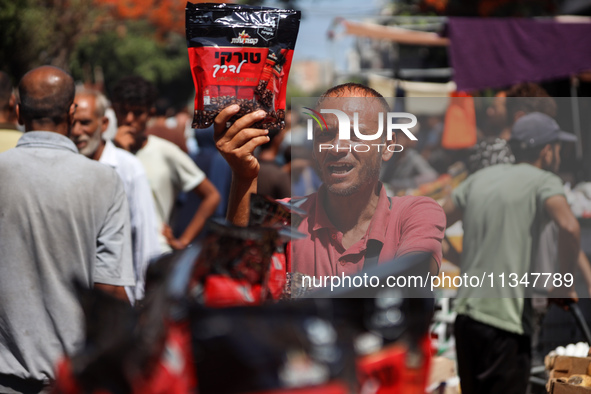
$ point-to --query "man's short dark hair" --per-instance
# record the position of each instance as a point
(359, 90)
(163, 107)
(526, 155)
(5, 90)
(344, 90)
(134, 91)
(48, 107)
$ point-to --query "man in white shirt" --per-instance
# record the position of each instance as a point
(169, 169)
(90, 123)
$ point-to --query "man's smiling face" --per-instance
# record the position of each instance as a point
(345, 171)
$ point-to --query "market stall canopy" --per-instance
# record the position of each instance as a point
(397, 34)
(496, 53)
(499, 52)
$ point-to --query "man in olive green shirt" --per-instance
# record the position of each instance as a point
(503, 207)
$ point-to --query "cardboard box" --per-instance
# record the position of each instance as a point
(565, 366)
(561, 368)
(558, 387)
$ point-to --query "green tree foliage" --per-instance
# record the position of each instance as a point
(37, 32)
(84, 37)
(131, 50)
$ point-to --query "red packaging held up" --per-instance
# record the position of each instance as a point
(240, 54)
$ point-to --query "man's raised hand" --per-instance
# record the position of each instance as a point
(238, 142)
(124, 138)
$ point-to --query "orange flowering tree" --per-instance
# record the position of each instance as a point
(165, 15)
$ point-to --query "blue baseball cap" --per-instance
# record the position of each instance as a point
(537, 129)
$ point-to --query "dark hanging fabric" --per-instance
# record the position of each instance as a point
(499, 52)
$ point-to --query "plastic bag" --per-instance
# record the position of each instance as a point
(240, 54)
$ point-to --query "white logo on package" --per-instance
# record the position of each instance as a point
(268, 27)
(244, 38)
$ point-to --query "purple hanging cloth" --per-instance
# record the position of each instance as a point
(499, 52)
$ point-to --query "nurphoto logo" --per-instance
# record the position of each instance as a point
(344, 128)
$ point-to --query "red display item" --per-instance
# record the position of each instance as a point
(277, 271)
(222, 291)
(389, 369)
(329, 388)
(172, 374)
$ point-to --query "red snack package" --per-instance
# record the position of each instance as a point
(222, 291)
(240, 54)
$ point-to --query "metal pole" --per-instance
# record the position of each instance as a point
(574, 84)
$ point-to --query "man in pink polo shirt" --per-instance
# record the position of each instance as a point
(350, 217)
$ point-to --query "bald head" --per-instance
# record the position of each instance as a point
(46, 97)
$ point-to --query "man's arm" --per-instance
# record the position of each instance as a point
(237, 144)
(568, 239)
(115, 291)
(124, 138)
(210, 198)
(422, 230)
(114, 266)
(452, 212)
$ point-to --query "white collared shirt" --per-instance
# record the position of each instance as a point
(144, 230)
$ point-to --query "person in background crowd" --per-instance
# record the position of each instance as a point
(502, 207)
(159, 127)
(62, 217)
(505, 110)
(429, 143)
(209, 160)
(169, 169)
(351, 208)
(273, 180)
(408, 169)
(89, 125)
(9, 133)
(297, 156)
(299, 166)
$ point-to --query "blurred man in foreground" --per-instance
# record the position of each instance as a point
(169, 169)
(503, 207)
(90, 123)
(62, 217)
(351, 224)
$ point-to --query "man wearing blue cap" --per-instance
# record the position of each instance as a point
(503, 207)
